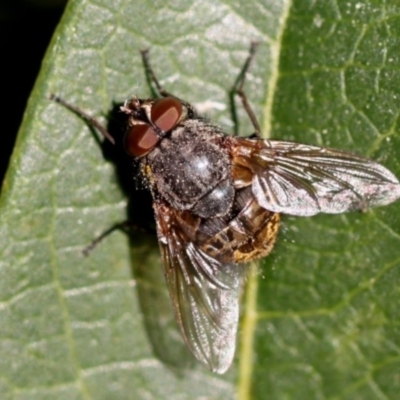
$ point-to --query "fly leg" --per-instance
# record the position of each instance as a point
(237, 90)
(92, 121)
(158, 89)
(125, 226)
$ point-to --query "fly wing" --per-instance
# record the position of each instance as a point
(204, 292)
(304, 180)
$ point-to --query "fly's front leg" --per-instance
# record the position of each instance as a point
(92, 121)
(161, 92)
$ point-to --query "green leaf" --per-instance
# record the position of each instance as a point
(320, 318)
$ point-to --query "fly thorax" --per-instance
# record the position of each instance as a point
(192, 173)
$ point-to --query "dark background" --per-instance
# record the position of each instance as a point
(26, 28)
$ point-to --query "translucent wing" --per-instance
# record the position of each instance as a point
(204, 292)
(304, 180)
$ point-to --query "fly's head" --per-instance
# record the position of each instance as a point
(150, 121)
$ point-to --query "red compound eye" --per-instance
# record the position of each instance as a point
(140, 140)
(166, 113)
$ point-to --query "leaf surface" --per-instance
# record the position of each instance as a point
(320, 319)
